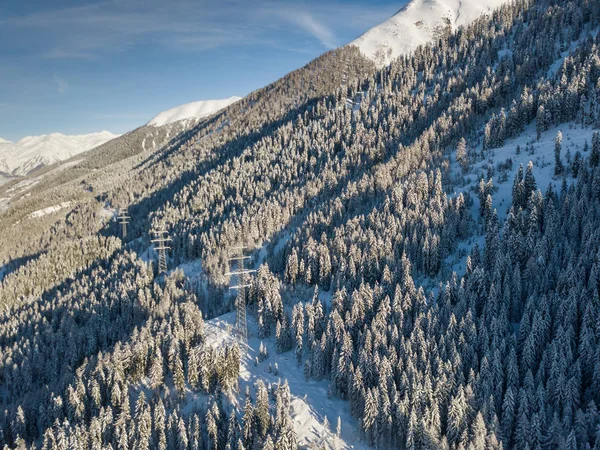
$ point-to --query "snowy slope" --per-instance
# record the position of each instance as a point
(310, 403)
(194, 110)
(539, 152)
(416, 24)
(32, 152)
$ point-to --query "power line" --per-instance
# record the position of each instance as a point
(241, 325)
(160, 240)
(123, 219)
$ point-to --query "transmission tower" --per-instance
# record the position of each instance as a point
(241, 325)
(123, 220)
(160, 245)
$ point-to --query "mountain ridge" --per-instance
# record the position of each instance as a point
(417, 23)
(192, 110)
(32, 152)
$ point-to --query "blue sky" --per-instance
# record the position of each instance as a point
(83, 66)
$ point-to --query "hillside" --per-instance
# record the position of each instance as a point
(425, 240)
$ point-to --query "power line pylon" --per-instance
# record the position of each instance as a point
(160, 245)
(241, 325)
(123, 220)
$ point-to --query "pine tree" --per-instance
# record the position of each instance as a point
(195, 433)
(292, 268)
(262, 416)
(518, 189)
(268, 444)
(178, 376)
(529, 182)
(212, 431)
(558, 165)
(248, 424)
(595, 154)
(156, 370)
(182, 437)
(160, 435)
(575, 166)
(461, 155)
(143, 423)
(192, 368)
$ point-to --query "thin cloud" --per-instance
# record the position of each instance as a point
(56, 53)
(92, 30)
(61, 84)
(319, 31)
(112, 27)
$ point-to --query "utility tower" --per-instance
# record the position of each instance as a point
(123, 220)
(241, 325)
(160, 245)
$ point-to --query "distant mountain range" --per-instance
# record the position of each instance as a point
(33, 152)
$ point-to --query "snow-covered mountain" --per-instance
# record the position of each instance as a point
(417, 23)
(32, 152)
(194, 110)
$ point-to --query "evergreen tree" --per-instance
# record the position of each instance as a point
(558, 165)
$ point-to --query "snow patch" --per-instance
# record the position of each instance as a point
(418, 23)
(49, 210)
(194, 110)
(539, 152)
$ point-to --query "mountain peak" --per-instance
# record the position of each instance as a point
(417, 23)
(194, 110)
(31, 152)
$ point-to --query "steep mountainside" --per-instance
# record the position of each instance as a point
(426, 244)
(417, 23)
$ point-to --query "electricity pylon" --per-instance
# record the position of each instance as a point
(241, 325)
(160, 241)
(123, 220)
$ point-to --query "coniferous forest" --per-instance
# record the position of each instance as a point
(389, 265)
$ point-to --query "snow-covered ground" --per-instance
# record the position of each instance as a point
(539, 152)
(5, 179)
(309, 402)
(32, 152)
(542, 157)
(49, 210)
(194, 110)
(417, 23)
